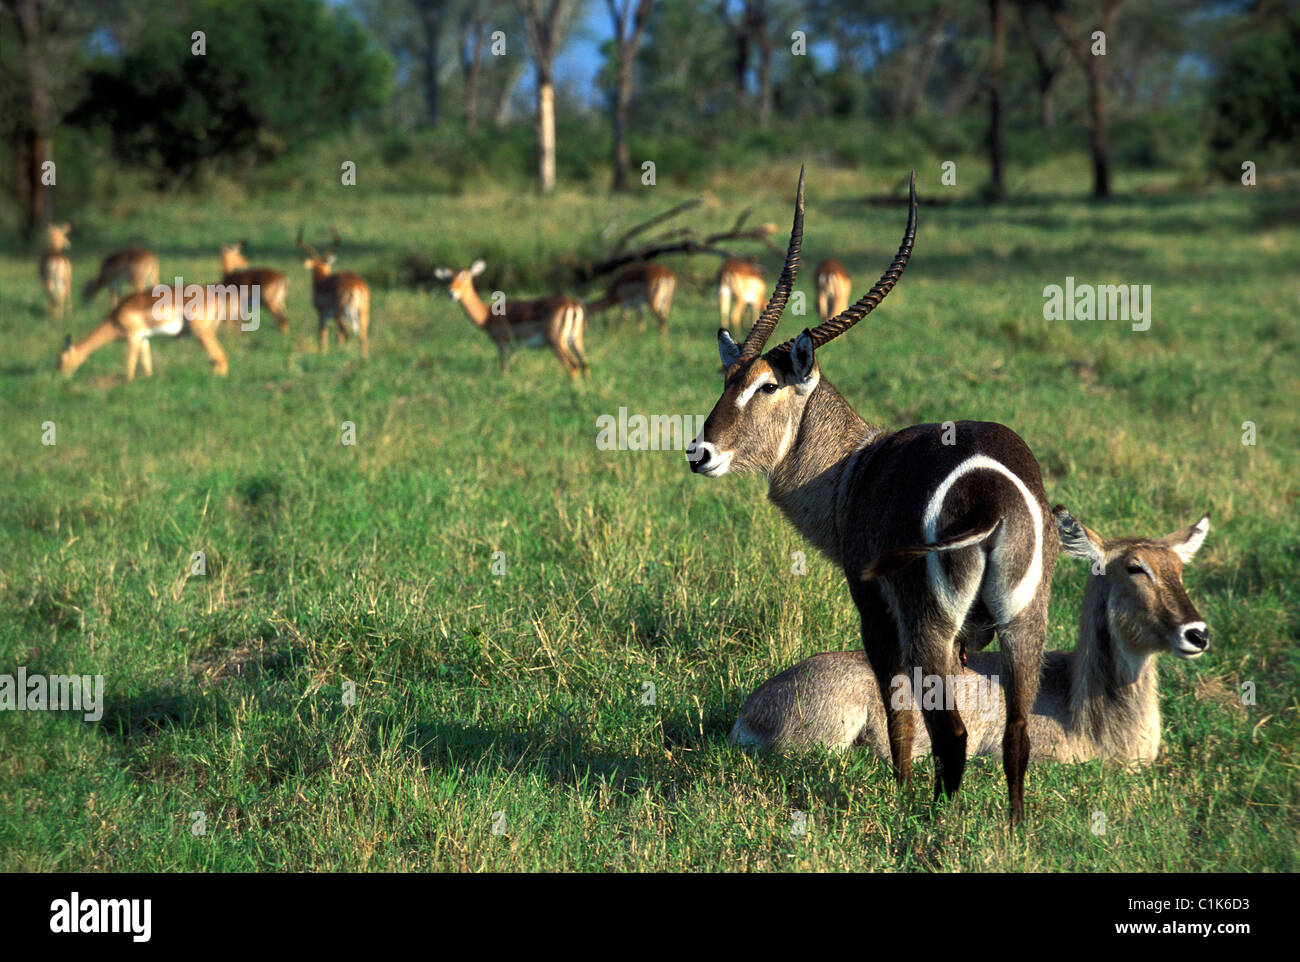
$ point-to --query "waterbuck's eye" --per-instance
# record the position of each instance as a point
(1134, 568)
(769, 387)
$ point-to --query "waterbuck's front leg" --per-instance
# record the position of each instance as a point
(880, 641)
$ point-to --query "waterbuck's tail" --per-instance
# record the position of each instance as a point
(351, 311)
(891, 561)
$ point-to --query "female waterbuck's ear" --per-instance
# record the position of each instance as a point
(477, 268)
(1077, 540)
(1188, 541)
(442, 273)
(728, 349)
(803, 362)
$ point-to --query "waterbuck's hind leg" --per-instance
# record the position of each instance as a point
(1021, 649)
(933, 650)
(930, 622)
(880, 641)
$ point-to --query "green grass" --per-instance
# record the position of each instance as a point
(522, 694)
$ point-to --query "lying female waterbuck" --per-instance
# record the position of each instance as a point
(970, 493)
(1099, 701)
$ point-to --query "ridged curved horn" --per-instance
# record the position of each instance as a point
(307, 248)
(767, 321)
(832, 328)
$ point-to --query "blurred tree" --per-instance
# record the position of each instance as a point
(684, 71)
(545, 23)
(271, 72)
(1048, 57)
(430, 14)
(1081, 42)
(998, 23)
(472, 34)
(41, 62)
(629, 19)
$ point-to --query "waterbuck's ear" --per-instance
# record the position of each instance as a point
(442, 273)
(728, 349)
(803, 362)
(67, 341)
(477, 268)
(1077, 540)
(1188, 541)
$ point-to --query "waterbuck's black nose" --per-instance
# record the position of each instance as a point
(1198, 638)
(699, 453)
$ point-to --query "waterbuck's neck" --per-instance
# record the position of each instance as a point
(108, 331)
(474, 306)
(805, 483)
(1114, 695)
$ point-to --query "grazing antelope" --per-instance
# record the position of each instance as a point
(740, 285)
(970, 493)
(133, 267)
(56, 270)
(1099, 701)
(556, 321)
(344, 296)
(833, 288)
(272, 286)
(645, 284)
(139, 317)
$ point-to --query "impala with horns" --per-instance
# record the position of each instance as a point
(558, 322)
(969, 493)
(56, 270)
(272, 286)
(834, 288)
(140, 317)
(131, 267)
(645, 285)
(343, 297)
(1101, 700)
(740, 286)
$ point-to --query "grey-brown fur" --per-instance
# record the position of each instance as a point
(1099, 701)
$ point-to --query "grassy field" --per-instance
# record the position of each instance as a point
(500, 721)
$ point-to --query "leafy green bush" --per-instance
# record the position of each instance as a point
(1256, 97)
(274, 73)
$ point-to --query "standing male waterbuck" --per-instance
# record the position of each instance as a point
(1099, 701)
(967, 496)
(343, 297)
